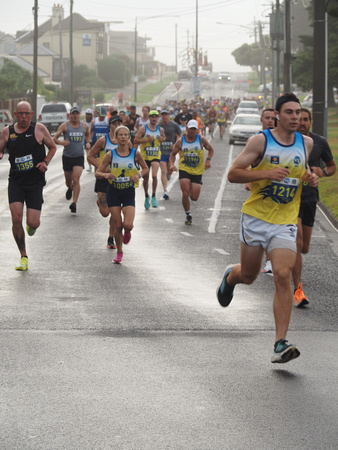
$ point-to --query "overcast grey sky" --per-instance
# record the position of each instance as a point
(219, 40)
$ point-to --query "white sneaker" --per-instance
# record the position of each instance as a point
(268, 267)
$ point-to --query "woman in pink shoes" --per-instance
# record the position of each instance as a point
(122, 167)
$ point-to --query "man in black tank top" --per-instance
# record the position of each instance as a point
(131, 122)
(25, 142)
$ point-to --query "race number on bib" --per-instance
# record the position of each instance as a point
(24, 163)
(151, 151)
(284, 191)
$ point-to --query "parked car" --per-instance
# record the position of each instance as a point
(307, 102)
(268, 88)
(243, 126)
(224, 76)
(5, 118)
(184, 75)
(247, 107)
(52, 115)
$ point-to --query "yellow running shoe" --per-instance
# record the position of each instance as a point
(30, 231)
(23, 264)
(300, 299)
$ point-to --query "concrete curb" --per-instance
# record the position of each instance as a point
(328, 214)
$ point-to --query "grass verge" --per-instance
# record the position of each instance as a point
(328, 187)
(146, 94)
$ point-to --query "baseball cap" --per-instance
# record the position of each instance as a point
(153, 112)
(89, 111)
(101, 110)
(164, 111)
(115, 119)
(158, 108)
(75, 109)
(192, 124)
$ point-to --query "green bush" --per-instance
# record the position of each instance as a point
(99, 97)
(115, 84)
(94, 82)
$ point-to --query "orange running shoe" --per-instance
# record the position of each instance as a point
(300, 299)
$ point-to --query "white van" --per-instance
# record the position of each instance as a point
(52, 115)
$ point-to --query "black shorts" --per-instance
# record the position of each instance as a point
(120, 197)
(149, 162)
(101, 185)
(69, 163)
(193, 178)
(307, 213)
(32, 197)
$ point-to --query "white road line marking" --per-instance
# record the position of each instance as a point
(186, 234)
(221, 251)
(218, 200)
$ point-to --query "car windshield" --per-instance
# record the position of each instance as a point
(248, 105)
(247, 120)
(54, 107)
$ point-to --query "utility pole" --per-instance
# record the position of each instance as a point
(35, 63)
(276, 36)
(287, 46)
(60, 50)
(319, 107)
(175, 47)
(135, 63)
(71, 62)
(196, 50)
(263, 58)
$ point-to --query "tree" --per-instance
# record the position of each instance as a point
(80, 72)
(14, 81)
(302, 67)
(114, 68)
(250, 55)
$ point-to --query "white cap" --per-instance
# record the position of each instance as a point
(192, 124)
(89, 111)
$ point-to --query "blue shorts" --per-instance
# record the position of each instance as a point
(120, 197)
(165, 158)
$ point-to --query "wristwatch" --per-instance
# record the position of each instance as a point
(46, 162)
(325, 172)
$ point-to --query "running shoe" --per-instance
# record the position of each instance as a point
(284, 352)
(126, 238)
(30, 231)
(268, 267)
(153, 201)
(111, 243)
(118, 258)
(224, 291)
(299, 296)
(23, 264)
(188, 219)
(69, 193)
(147, 203)
(72, 207)
(165, 195)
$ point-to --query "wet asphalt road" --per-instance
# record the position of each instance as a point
(140, 355)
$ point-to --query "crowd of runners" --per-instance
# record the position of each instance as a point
(124, 147)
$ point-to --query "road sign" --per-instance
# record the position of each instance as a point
(177, 85)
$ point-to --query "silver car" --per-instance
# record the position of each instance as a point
(247, 107)
(243, 126)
